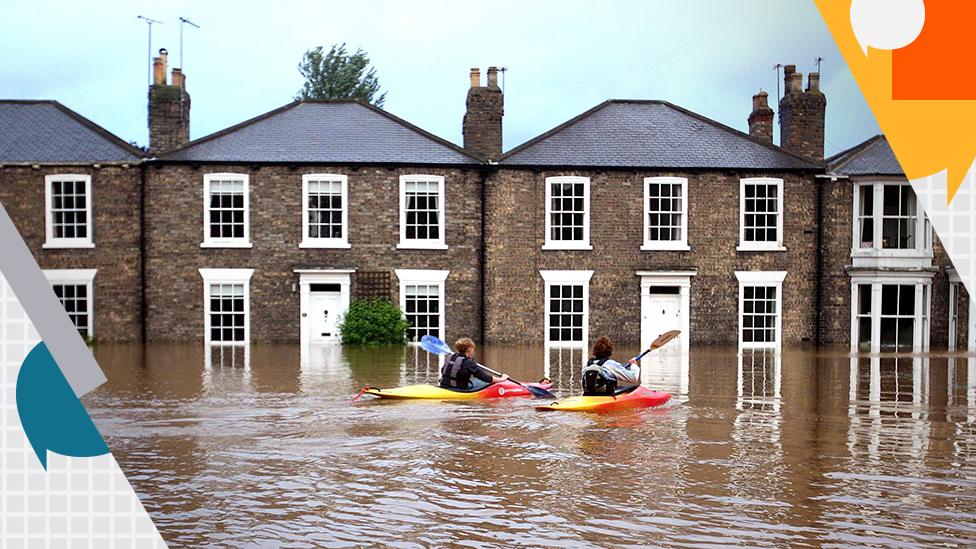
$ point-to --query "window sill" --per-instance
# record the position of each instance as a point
(421, 246)
(759, 248)
(55, 245)
(225, 245)
(321, 245)
(580, 246)
(875, 253)
(753, 346)
(565, 345)
(661, 247)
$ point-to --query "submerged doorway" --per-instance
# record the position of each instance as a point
(890, 314)
(324, 301)
(665, 305)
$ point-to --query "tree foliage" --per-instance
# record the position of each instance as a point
(373, 322)
(339, 75)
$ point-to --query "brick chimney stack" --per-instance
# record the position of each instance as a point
(169, 108)
(801, 115)
(482, 125)
(761, 118)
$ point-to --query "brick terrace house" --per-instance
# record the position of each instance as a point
(630, 219)
(73, 190)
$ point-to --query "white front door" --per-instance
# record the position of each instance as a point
(325, 310)
(661, 313)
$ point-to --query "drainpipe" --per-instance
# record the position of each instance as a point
(142, 252)
(482, 254)
(821, 180)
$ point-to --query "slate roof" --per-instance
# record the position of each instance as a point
(48, 132)
(872, 157)
(650, 134)
(332, 131)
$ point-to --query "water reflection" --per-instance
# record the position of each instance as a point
(260, 446)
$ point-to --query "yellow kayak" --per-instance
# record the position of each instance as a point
(433, 392)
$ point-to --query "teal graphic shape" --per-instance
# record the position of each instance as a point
(52, 416)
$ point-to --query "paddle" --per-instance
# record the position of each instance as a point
(659, 342)
(435, 346)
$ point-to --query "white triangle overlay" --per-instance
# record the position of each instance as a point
(76, 502)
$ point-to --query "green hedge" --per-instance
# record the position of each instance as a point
(373, 322)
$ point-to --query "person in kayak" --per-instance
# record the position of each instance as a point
(459, 369)
(604, 376)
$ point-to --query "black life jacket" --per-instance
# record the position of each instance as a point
(449, 372)
(595, 381)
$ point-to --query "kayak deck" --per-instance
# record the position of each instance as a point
(433, 392)
(641, 397)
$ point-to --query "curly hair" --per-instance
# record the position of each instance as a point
(603, 347)
(462, 345)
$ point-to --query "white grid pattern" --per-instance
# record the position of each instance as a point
(954, 223)
(69, 208)
(77, 502)
(762, 211)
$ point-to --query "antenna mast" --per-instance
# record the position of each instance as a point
(149, 23)
(776, 68)
(818, 61)
(184, 20)
(503, 70)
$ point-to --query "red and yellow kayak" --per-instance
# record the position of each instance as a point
(504, 389)
(641, 397)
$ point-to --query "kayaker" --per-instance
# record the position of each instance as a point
(604, 376)
(459, 369)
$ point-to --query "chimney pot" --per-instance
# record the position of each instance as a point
(493, 77)
(475, 77)
(761, 118)
(177, 78)
(159, 71)
(813, 82)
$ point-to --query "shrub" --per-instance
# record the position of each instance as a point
(373, 322)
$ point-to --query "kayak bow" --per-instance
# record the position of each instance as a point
(504, 389)
(641, 397)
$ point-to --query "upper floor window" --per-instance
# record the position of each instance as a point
(422, 212)
(761, 214)
(325, 211)
(226, 215)
(889, 220)
(567, 213)
(665, 213)
(68, 211)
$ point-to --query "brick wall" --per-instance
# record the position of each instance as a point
(169, 117)
(174, 218)
(515, 206)
(482, 123)
(115, 231)
(838, 236)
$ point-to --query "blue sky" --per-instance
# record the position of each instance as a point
(709, 56)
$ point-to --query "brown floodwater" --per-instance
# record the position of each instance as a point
(264, 448)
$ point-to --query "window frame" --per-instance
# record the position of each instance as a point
(567, 244)
(922, 315)
(240, 242)
(52, 242)
(76, 277)
(761, 279)
(325, 242)
(439, 243)
(226, 276)
(923, 227)
(424, 277)
(673, 245)
(767, 246)
(566, 278)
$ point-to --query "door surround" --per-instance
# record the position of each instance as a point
(307, 277)
(681, 279)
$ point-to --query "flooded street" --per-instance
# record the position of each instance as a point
(265, 449)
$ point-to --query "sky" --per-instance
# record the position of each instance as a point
(562, 58)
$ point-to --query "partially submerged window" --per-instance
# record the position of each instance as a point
(890, 316)
(226, 306)
(567, 307)
(422, 301)
(75, 290)
(760, 308)
(567, 213)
